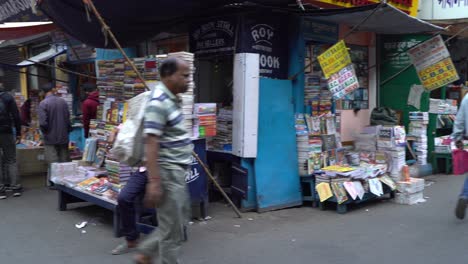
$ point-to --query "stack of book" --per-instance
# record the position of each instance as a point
(311, 89)
(118, 172)
(187, 98)
(62, 91)
(418, 128)
(302, 141)
(223, 138)
(89, 153)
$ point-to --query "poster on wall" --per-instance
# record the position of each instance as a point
(334, 59)
(213, 36)
(343, 82)
(267, 36)
(433, 63)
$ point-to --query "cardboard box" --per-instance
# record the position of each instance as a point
(409, 199)
(31, 161)
(413, 186)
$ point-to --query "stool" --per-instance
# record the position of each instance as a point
(308, 183)
(448, 161)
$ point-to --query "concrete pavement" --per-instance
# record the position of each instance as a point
(33, 231)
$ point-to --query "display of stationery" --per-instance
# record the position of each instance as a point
(205, 120)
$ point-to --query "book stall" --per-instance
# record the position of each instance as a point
(30, 153)
(99, 177)
(375, 166)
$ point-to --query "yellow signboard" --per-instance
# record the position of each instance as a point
(334, 59)
(410, 7)
(438, 75)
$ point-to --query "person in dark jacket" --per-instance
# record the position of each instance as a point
(90, 105)
(9, 121)
(55, 125)
(25, 112)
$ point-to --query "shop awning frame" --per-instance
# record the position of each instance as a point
(377, 18)
(44, 56)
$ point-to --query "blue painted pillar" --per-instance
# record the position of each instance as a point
(296, 62)
(251, 201)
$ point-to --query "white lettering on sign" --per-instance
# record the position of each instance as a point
(269, 61)
(192, 174)
(263, 33)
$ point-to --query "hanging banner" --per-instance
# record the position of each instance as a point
(410, 7)
(438, 75)
(267, 35)
(433, 63)
(343, 82)
(334, 59)
(213, 36)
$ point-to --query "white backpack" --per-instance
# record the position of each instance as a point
(129, 144)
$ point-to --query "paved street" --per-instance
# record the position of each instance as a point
(33, 231)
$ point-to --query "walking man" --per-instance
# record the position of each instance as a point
(168, 154)
(9, 120)
(460, 131)
(54, 121)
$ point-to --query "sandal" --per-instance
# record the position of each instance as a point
(122, 249)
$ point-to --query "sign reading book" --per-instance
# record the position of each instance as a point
(267, 36)
(433, 63)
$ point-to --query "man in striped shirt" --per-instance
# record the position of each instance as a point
(168, 154)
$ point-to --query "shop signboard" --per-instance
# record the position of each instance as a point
(443, 9)
(319, 31)
(213, 36)
(433, 63)
(334, 59)
(268, 37)
(343, 82)
(410, 7)
(19, 11)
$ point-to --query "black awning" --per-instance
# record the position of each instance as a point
(386, 19)
(133, 21)
(138, 20)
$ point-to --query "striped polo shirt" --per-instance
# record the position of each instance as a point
(163, 118)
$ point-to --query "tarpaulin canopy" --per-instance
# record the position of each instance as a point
(44, 56)
(13, 31)
(386, 19)
(132, 21)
